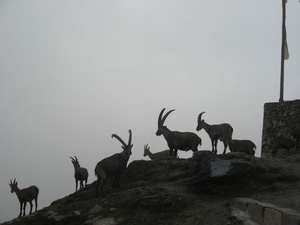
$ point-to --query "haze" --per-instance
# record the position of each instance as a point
(74, 72)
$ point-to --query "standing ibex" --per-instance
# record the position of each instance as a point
(157, 155)
(25, 195)
(81, 174)
(222, 132)
(113, 165)
(177, 140)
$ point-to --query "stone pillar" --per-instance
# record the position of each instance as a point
(278, 116)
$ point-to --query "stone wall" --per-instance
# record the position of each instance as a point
(251, 211)
(278, 116)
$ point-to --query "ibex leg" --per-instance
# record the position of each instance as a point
(30, 207)
(24, 207)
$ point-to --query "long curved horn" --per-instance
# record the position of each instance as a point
(73, 160)
(159, 117)
(165, 116)
(130, 136)
(199, 117)
(76, 158)
(118, 138)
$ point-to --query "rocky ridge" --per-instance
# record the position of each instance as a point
(198, 190)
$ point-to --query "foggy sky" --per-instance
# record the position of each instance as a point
(74, 72)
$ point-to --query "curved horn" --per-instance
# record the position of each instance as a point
(73, 160)
(165, 116)
(14, 180)
(130, 136)
(118, 138)
(76, 158)
(159, 117)
(199, 117)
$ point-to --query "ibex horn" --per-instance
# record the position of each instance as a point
(130, 136)
(159, 117)
(118, 138)
(165, 116)
(199, 117)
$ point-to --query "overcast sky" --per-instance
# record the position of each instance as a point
(74, 72)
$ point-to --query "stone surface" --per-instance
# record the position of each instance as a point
(255, 211)
(106, 221)
(290, 218)
(95, 209)
(277, 117)
(263, 213)
(271, 217)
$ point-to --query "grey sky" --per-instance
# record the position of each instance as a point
(74, 72)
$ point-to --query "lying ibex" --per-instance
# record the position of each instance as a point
(113, 165)
(25, 195)
(81, 174)
(177, 140)
(157, 155)
(281, 142)
(222, 132)
(295, 132)
(245, 146)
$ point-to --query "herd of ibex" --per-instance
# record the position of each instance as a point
(185, 141)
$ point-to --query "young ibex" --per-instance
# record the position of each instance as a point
(157, 155)
(81, 174)
(25, 195)
(177, 140)
(113, 165)
(245, 146)
(222, 132)
(281, 142)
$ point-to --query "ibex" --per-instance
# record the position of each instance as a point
(113, 165)
(281, 142)
(222, 132)
(157, 155)
(177, 140)
(81, 174)
(245, 146)
(25, 195)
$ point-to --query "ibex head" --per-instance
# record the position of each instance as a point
(146, 150)
(162, 120)
(13, 185)
(126, 147)
(200, 122)
(75, 162)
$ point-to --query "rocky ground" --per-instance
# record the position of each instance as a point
(198, 190)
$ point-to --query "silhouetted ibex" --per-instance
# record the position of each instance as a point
(113, 165)
(81, 174)
(25, 195)
(157, 155)
(222, 132)
(177, 140)
(245, 146)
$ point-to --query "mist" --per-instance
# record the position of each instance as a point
(72, 73)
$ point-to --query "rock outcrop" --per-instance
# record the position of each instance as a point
(178, 191)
